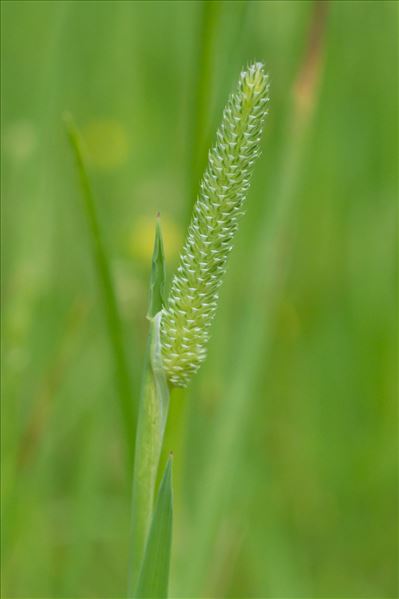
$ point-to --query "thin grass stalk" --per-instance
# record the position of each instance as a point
(211, 16)
(231, 30)
(256, 332)
(108, 295)
(199, 129)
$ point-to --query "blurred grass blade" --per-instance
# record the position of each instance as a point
(153, 414)
(154, 575)
(107, 289)
(214, 29)
(208, 19)
(256, 327)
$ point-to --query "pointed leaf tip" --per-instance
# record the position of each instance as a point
(157, 279)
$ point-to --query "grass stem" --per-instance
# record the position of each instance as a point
(199, 130)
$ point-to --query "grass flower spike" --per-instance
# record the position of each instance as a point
(193, 297)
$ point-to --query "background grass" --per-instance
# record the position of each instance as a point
(310, 508)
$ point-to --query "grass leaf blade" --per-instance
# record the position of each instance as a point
(158, 275)
(154, 575)
(107, 289)
(152, 418)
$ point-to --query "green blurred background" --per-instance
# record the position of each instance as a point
(286, 444)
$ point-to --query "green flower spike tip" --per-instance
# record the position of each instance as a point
(193, 297)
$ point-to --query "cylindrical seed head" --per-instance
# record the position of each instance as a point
(193, 296)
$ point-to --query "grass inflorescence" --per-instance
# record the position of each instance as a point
(193, 297)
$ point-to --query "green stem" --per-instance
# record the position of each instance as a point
(107, 289)
(153, 414)
(205, 51)
(152, 418)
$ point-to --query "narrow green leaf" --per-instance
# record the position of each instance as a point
(153, 414)
(157, 279)
(209, 18)
(108, 294)
(154, 575)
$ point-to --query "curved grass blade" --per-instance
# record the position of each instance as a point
(107, 290)
(154, 575)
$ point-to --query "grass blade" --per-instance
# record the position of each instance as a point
(154, 575)
(208, 18)
(153, 414)
(107, 290)
(158, 275)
